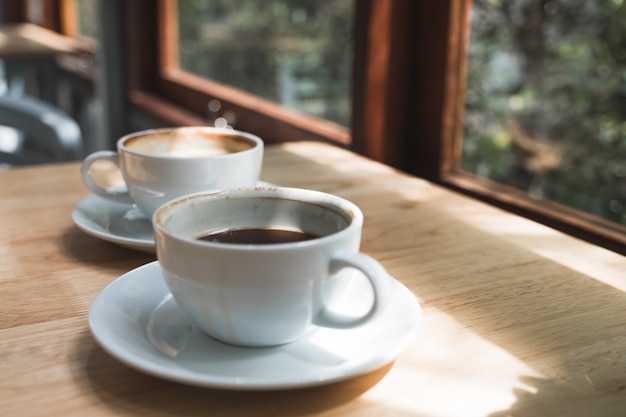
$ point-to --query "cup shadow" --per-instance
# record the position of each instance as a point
(91, 250)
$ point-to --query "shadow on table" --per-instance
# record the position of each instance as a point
(567, 326)
(124, 389)
(570, 328)
(89, 249)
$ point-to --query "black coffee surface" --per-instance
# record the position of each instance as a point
(258, 236)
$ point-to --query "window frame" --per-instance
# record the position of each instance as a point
(575, 222)
(408, 99)
(383, 43)
(16, 11)
(171, 88)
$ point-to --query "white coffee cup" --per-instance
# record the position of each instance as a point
(161, 164)
(264, 294)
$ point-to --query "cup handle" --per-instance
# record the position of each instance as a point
(119, 196)
(376, 275)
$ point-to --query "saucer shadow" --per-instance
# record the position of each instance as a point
(122, 389)
(89, 249)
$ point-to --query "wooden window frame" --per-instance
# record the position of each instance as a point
(167, 91)
(444, 47)
(408, 102)
(384, 39)
(408, 95)
(16, 11)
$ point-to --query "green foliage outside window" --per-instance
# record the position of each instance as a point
(294, 52)
(546, 100)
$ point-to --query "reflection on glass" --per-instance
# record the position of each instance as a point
(294, 52)
(546, 100)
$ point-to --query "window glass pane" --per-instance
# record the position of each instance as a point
(546, 100)
(86, 16)
(295, 52)
(34, 12)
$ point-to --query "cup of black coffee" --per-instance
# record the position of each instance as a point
(262, 266)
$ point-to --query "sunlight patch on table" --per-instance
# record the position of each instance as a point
(487, 381)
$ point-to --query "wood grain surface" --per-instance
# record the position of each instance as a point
(519, 320)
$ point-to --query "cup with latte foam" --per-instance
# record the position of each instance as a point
(159, 165)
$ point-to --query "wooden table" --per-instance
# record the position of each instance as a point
(519, 320)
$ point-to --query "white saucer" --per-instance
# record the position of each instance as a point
(120, 223)
(136, 320)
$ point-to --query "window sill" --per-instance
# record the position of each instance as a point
(580, 224)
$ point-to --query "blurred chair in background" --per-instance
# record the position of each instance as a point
(44, 132)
